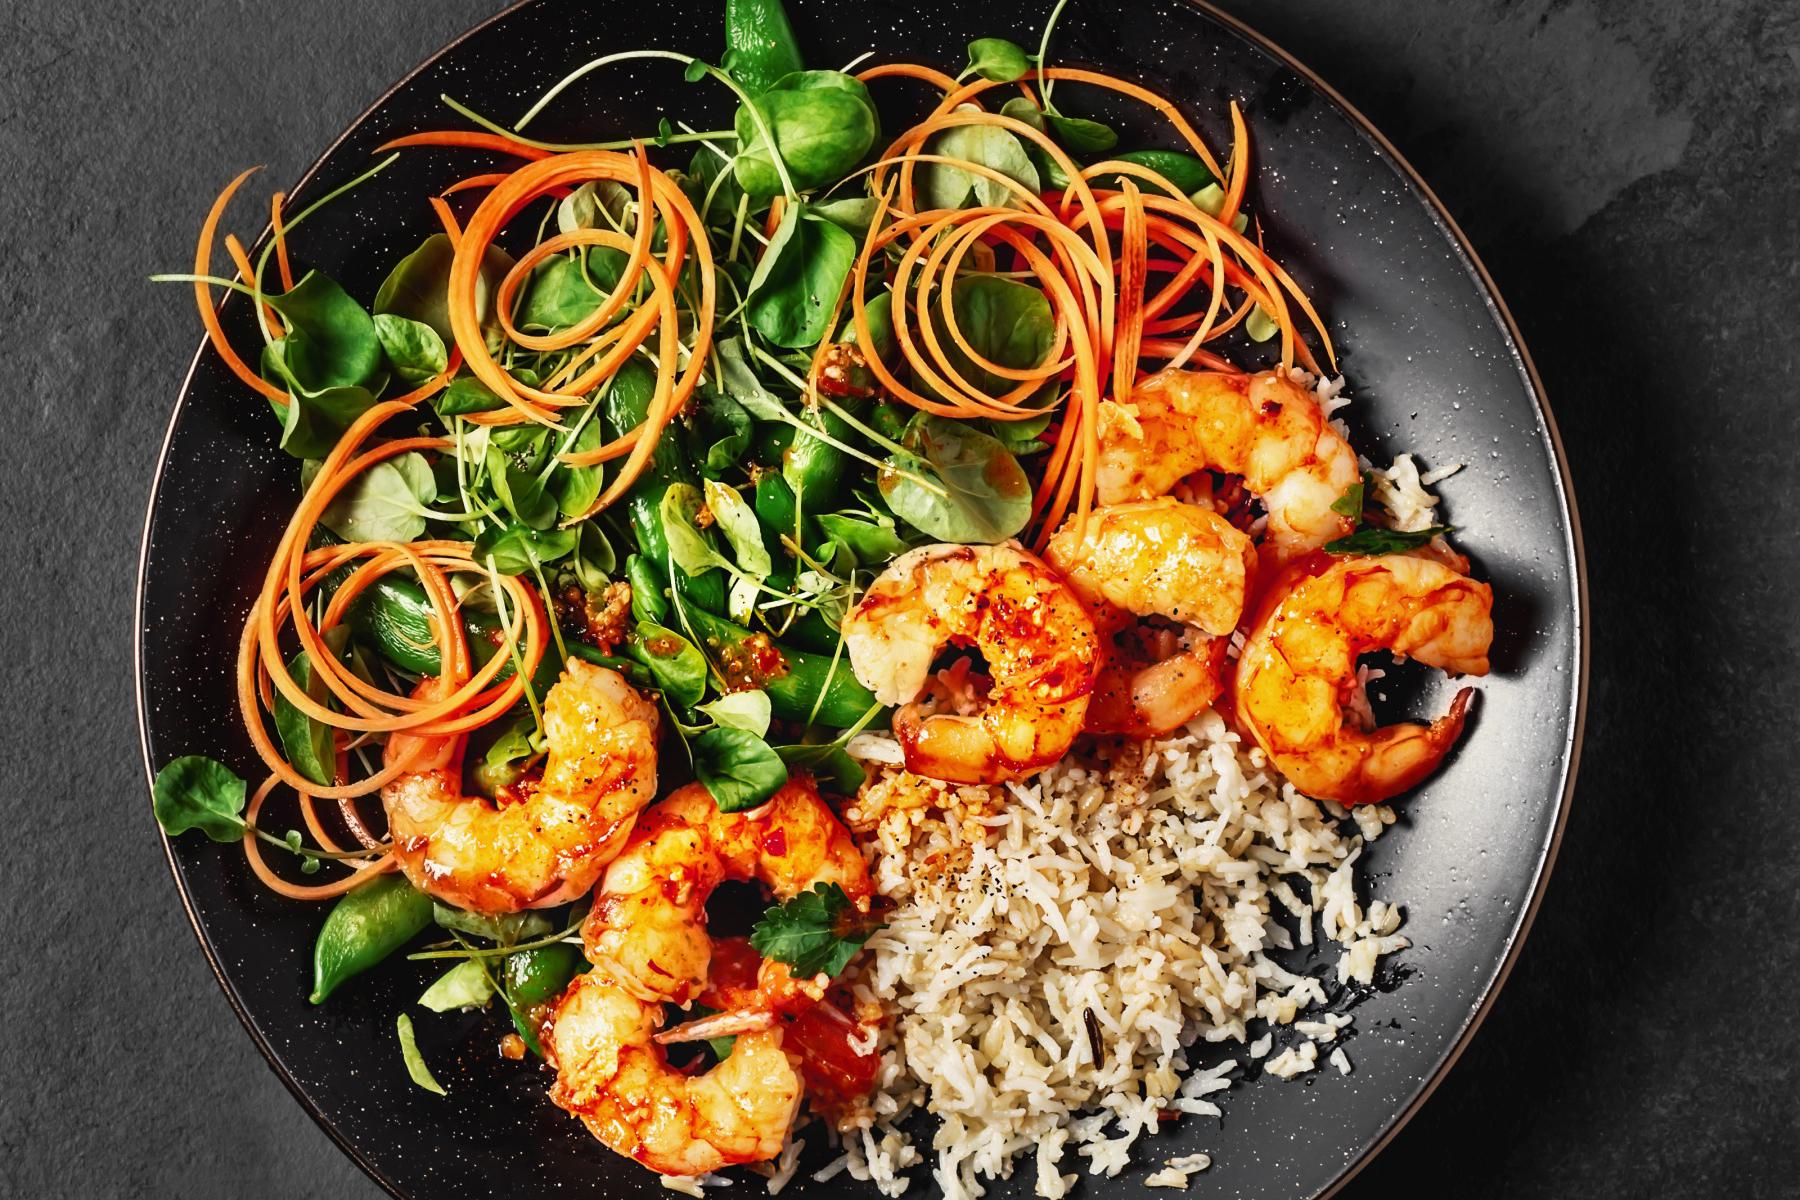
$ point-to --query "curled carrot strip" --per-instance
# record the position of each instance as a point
(209, 316)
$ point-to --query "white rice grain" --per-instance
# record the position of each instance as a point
(1056, 945)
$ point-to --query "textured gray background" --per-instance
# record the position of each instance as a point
(1627, 171)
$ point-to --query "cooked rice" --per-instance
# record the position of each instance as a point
(1142, 884)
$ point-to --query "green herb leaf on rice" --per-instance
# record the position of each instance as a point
(815, 933)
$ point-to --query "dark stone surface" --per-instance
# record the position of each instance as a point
(1626, 171)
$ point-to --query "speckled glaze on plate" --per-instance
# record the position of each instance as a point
(1427, 347)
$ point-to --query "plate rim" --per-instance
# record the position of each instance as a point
(1565, 495)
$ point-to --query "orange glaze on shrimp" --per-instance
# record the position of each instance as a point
(646, 936)
(1156, 558)
(551, 847)
(1265, 427)
(1297, 674)
(1038, 641)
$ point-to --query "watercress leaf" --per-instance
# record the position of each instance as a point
(707, 165)
(382, 504)
(696, 70)
(1373, 539)
(466, 394)
(1050, 171)
(725, 428)
(595, 562)
(196, 792)
(413, 348)
(737, 521)
(822, 122)
(313, 418)
(1350, 504)
(521, 491)
(815, 933)
(415, 1062)
(741, 384)
(331, 341)
(1021, 437)
(514, 549)
(946, 186)
(597, 204)
(576, 488)
(308, 744)
(1080, 135)
(665, 129)
(1005, 321)
(997, 59)
(748, 711)
(466, 985)
(987, 495)
(829, 764)
(689, 548)
(871, 542)
(502, 929)
(419, 286)
(558, 295)
(798, 279)
(737, 767)
(677, 664)
(853, 214)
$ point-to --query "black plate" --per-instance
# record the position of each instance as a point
(1428, 348)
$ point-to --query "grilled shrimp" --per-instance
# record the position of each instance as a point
(1156, 558)
(614, 1076)
(648, 922)
(1298, 669)
(1038, 641)
(549, 848)
(1263, 427)
(646, 936)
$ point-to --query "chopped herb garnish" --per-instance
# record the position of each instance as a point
(815, 933)
(1350, 504)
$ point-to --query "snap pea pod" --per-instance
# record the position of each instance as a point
(761, 43)
(649, 601)
(813, 467)
(629, 668)
(534, 978)
(395, 618)
(1183, 170)
(627, 404)
(367, 925)
(794, 679)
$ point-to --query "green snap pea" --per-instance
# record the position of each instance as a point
(649, 602)
(627, 404)
(794, 679)
(813, 467)
(761, 43)
(1183, 170)
(395, 618)
(368, 924)
(534, 978)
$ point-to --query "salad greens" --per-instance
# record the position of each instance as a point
(719, 579)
